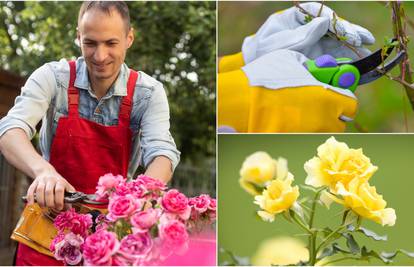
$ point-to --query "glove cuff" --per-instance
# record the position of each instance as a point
(231, 62)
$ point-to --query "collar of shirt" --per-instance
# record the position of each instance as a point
(119, 88)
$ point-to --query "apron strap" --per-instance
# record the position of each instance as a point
(73, 93)
(126, 105)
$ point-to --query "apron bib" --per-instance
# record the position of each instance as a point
(83, 150)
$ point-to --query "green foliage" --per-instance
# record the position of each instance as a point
(174, 43)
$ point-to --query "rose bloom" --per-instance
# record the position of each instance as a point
(259, 169)
(107, 183)
(177, 203)
(99, 248)
(173, 234)
(150, 183)
(364, 200)
(145, 219)
(135, 245)
(122, 207)
(280, 251)
(200, 203)
(278, 196)
(336, 162)
(74, 222)
(68, 249)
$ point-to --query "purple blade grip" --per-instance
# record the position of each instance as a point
(325, 61)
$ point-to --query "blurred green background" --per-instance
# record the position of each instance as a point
(239, 229)
(383, 105)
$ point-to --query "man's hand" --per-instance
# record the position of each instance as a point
(276, 93)
(49, 188)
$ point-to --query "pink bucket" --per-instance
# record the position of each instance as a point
(202, 251)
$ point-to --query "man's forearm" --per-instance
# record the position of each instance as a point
(19, 152)
(160, 168)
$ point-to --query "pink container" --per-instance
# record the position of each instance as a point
(202, 251)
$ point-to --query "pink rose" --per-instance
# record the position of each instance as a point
(118, 260)
(200, 203)
(56, 240)
(212, 209)
(137, 189)
(122, 207)
(106, 184)
(99, 248)
(177, 203)
(74, 222)
(174, 235)
(123, 189)
(145, 219)
(151, 184)
(135, 246)
(69, 249)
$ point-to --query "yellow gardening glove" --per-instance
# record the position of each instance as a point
(275, 93)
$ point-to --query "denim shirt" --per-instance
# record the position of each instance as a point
(44, 96)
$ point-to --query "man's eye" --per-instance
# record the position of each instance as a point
(112, 44)
(89, 44)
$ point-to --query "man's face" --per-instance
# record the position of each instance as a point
(104, 42)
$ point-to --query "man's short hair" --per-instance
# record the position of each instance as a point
(106, 6)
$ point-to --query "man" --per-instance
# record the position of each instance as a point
(266, 88)
(98, 117)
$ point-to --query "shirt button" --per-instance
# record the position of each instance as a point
(98, 110)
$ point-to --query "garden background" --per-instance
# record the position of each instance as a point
(383, 105)
(174, 42)
(241, 231)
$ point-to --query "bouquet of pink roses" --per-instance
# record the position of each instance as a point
(145, 224)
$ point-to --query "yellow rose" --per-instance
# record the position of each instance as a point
(278, 196)
(336, 162)
(280, 251)
(260, 168)
(364, 200)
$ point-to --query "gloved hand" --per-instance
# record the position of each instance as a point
(276, 93)
(288, 30)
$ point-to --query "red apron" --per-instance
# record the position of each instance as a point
(83, 150)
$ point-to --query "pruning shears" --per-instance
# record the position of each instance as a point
(348, 74)
(79, 197)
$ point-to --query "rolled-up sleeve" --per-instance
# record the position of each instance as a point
(156, 139)
(31, 105)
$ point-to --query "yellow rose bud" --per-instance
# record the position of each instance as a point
(364, 200)
(278, 196)
(336, 162)
(280, 251)
(258, 168)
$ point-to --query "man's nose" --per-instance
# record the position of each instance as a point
(100, 54)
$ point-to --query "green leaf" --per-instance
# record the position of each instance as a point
(351, 243)
(368, 233)
(308, 18)
(308, 187)
(327, 231)
(298, 210)
(365, 254)
(350, 218)
(234, 259)
(391, 255)
(332, 250)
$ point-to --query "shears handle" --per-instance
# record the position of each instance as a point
(334, 71)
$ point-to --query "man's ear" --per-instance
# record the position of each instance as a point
(130, 37)
(77, 41)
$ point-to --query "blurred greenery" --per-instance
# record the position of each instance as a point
(174, 42)
(241, 231)
(383, 105)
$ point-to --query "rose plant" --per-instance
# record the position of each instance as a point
(338, 174)
(145, 224)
